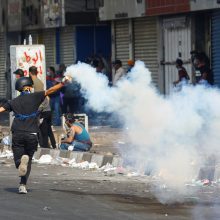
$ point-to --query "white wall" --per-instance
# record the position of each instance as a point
(196, 5)
(119, 9)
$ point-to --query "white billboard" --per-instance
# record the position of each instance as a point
(119, 9)
(25, 56)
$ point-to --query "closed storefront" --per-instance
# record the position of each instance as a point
(92, 40)
(67, 45)
(216, 47)
(121, 36)
(2, 65)
(49, 40)
(146, 44)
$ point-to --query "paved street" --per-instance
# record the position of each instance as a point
(57, 192)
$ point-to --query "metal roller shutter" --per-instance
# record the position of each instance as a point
(122, 41)
(49, 40)
(2, 65)
(145, 44)
(216, 47)
(67, 45)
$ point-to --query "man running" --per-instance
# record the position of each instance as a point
(25, 125)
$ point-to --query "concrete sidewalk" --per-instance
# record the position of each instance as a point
(107, 145)
(108, 142)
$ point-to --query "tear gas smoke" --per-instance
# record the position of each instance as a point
(171, 135)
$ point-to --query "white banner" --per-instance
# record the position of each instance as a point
(25, 56)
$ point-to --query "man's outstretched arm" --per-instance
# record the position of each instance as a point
(66, 79)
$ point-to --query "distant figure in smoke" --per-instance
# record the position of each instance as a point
(130, 65)
(119, 71)
(200, 59)
(183, 77)
(78, 139)
(61, 70)
(204, 74)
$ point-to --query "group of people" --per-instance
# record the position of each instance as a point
(67, 100)
(31, 105)
(202, 72)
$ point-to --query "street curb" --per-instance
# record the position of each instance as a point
(99, 159)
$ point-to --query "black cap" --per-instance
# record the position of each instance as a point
(179, 62)
(19, 72)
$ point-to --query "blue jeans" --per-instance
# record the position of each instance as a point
(78, 146)
(55, 108)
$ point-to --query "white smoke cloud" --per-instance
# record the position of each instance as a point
(171, 135)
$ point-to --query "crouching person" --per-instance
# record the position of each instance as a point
(25, 124)
(78, 138)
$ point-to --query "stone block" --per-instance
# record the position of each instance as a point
(44, 151)
(98, 159)
(117, 161)
(79, 157)
(37, 154)
(63, 153)
(54, 153)
(107, 159)
(87, 157)
(73, 155)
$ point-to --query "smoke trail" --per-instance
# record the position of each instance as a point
(170, 135)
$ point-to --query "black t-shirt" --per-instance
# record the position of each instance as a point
(25, 104)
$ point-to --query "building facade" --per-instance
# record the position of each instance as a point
(154, 31)
(69, 29)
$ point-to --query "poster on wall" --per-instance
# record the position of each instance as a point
(25, 56)
(14, 15)
(53, 13)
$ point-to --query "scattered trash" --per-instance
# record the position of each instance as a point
(121, 142)
(6, 141)
(133, 174)
(45, 159)
(70, 148)
(47, 208)
(6, 154)
(85, 165)
(121, 170)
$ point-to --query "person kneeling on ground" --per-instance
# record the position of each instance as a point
(78, 138)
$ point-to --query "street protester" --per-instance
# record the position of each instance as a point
(183, 76)
(25, 125)
(45, 113)
(18, 73)
(77, 138)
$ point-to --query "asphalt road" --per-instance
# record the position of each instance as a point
(58, 193)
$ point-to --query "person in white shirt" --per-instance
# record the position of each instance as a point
(119, 71)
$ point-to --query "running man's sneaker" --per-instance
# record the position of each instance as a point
(22, 189)
(22, 169)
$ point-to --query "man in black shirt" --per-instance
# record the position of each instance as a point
(25, 125)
